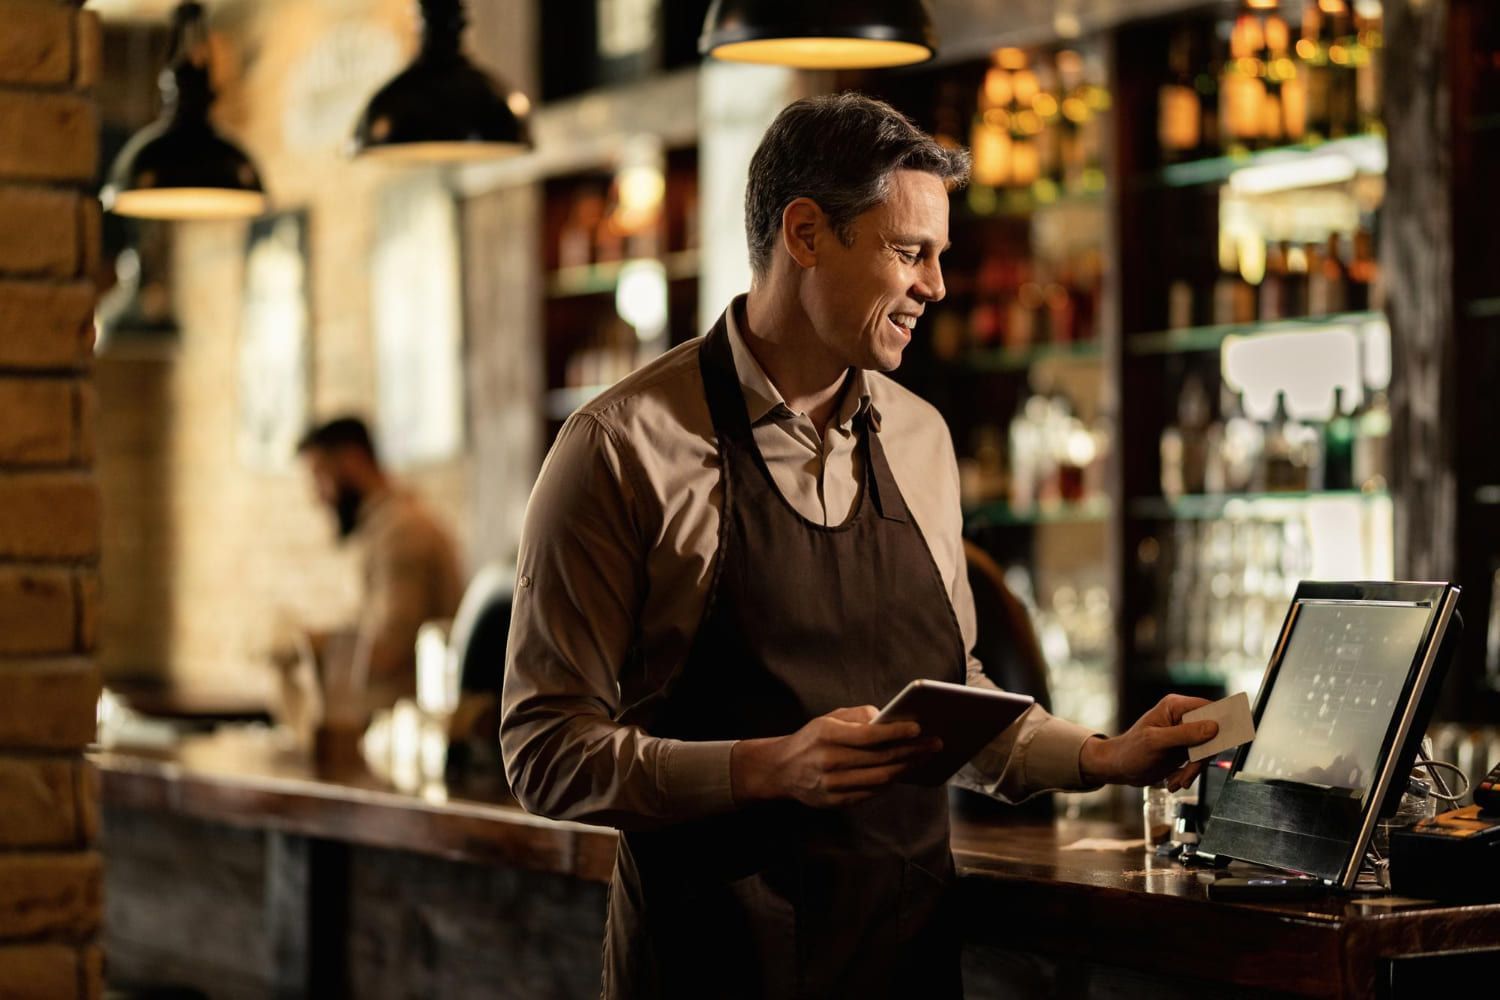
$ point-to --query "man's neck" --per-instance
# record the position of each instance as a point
(780, 336)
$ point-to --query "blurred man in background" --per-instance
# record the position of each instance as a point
(409, 571)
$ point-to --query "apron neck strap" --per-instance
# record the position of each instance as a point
(721, 384)
(887, 494)
(726, 405)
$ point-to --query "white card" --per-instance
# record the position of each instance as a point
(1235, 725)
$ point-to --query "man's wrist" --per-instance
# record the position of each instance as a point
(1093, 761)
(751, 771)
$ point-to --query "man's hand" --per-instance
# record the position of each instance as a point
(1152, 749)
(835, 760)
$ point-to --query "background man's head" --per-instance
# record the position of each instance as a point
(847, 201)
(345, 469)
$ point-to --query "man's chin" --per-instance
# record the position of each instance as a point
(885, 361)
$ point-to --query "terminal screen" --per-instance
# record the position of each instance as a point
(1338, 686)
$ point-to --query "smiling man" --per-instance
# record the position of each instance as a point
(729, 559)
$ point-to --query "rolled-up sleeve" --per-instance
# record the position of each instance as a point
(579, 588)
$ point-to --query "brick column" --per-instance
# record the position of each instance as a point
(50, 872)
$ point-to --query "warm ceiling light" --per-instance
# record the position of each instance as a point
(819, 34)
(180, 167)
(442, 108)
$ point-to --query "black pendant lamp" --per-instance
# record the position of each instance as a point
(442, 108)
(180, 167)
(819, 34)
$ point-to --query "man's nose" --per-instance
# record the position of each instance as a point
(929, 285)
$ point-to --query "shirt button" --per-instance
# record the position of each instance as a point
(524, 581)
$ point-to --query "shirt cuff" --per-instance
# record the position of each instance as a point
(1051, 756)
(695, 777)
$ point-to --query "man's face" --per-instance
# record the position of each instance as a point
(865, 299)
(334, 484)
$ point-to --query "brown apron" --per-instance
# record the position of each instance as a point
(780, 900)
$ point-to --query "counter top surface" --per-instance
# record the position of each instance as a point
(246, 777)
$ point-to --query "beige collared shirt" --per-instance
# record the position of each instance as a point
(617, 552)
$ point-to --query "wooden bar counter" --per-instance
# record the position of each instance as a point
(245, 871)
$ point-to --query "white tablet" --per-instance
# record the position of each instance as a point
(964, 718)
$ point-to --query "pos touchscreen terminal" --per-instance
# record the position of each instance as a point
(1340, 715)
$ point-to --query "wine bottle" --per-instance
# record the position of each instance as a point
(1338, 446)
(1178, 111)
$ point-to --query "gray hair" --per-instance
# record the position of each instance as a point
(839, 150)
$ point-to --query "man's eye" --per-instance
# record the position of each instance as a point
(908, 256)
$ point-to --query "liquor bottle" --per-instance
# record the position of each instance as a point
(1294, 289)
(1242, 89)
(1025, 127)
(1338, 446)
(1046, 105)
(1073, 114)
(1291, 86)
(1372, 445)
(1327, 280)
(1178, 112)
(1184, 445)
(1234, 297)
(1240, 452)
(1367, 55)
(1179, 305)
(1275, 38)
(1025, 455)
(1343, 104)
(1023, 318)
(1364, 274)
(1272, 298)
(1312, 52)
(1088, 286)
(1285, 466)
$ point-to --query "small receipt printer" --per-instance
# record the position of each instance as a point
(1453, 856)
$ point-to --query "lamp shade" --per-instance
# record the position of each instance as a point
(442, 108)
(180, 166)
(819, 34)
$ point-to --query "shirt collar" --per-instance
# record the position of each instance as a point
(763, 399)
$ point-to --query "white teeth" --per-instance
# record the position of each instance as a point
(910, 322)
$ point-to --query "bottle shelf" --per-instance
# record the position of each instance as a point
(1001, 514)
(1210, 338)
(1013, 359)
(1212, 507)
(1042, 196)
(1314, 164)
(596, 279)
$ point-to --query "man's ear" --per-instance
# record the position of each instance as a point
(802, 225)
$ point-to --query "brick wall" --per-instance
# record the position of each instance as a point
(49, 502)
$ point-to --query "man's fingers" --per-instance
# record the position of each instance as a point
(1178, 705)
(857, 757)
(1184, 776)
(1187, 734)
(863, 734)
(856, 713)
(863, 778)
